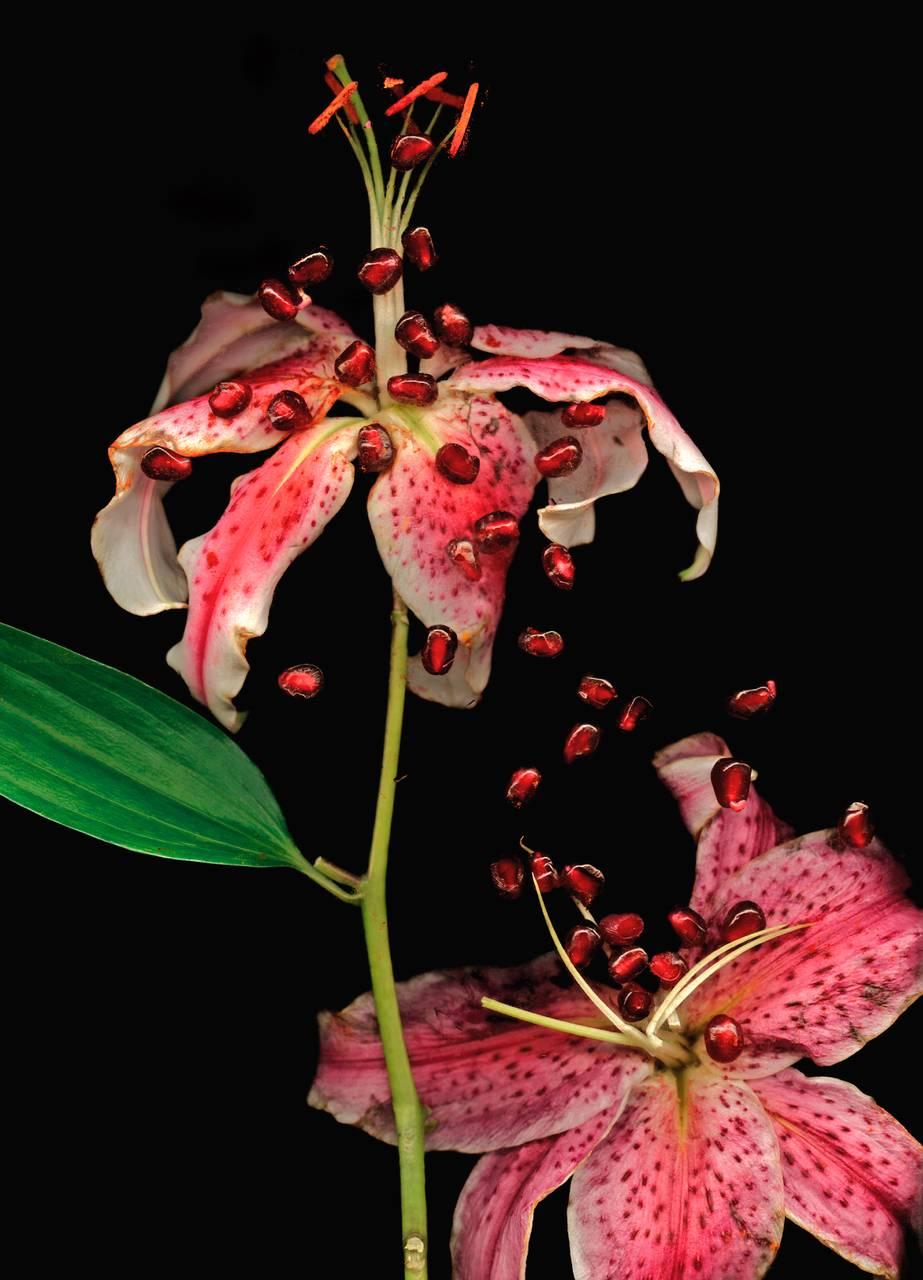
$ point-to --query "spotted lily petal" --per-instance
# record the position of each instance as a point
(500, 340)
(853, 1176)
(686, 1184)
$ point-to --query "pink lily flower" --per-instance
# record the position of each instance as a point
(680, 1164)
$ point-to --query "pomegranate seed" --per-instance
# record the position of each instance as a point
(545, 872)
(621, 927)
(627, 964)
(278, 300)
(376, 449)
(634, 712)
(287, 411)
(230, 398)
(508, 875)
(463, 555)
(743, 919)
(414, 335)
(438, 651)
(724, 1038)
(583, 881)
(523, 786)
(582, 741)
(303, 681)
(314, 268)
(634, 1002)
(419, 248)
(581, 945)
(541, 644)
(688, 925)
(161, 464)
(559, 458)
(458, 465)
(380, 270)
(749, 702)
(596, 691)
(731, 781)
(452, 325)
(559, 567)
(413, 388)
(496, 531)
(668, 968)
(583, 415)
(355, 365)
(856, 827)
(409, 150)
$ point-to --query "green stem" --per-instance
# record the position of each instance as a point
(408, 1111)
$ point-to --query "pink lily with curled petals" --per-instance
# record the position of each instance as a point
(680, 1164)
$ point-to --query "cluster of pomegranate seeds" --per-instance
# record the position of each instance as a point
(522, 786)
(287, 411)
(230, 398)
(749, 702)
(409, 150)
(464, 556)
(413, 388)
(355, 365)
(314, 268)
(559, 458)
(742, 919)
(414, 335)
(668, 967)
(508, 875)
(581, 945)
(558, 564)
(724, 1038)
(628, 964)
(456, 464)
(278, 300)
(545, 872)
(621, 928)
(302, 681)
(583, 415)
(452, 325)
(380, 270)
(496, 531)
(584, 881)
(856, 826)
(731, 781)
(541, 644)
(581, 742)
(439, 649)
(634, 1002)
(162, 464)
(419, 248)
(631, 715)
(376, 449)
(596, 692)
(688, 925)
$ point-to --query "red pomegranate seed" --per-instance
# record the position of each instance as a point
(668, 968)
(628, 964)
(559, 458)
(496, 531)
(741, 920)
(558, 564)
(380, 270)
(376, 449)
(414, 335)
(230, 398)
(161, 464)
(634, 1002)
(355, 365)
(621, 928)
(634, 712)
(856, 826)
(545, 872)
(409, 150)
(581, 944)
(278, 300)
(749, 702)
(438, 651)
(508, 875)
(463, 555)
(288, 412)
(523, 786)
(303, 681)
(583, 415)
(724, 1038)
(731, 781)
(541, 644)
(419, 248)
(314, 268)
(452, 325)
(596, 692)
(583, 881)
(458, 465)
(582, 741)
(413, 388)
(688, 925)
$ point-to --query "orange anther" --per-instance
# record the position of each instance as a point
(418, 92)
(392, 83)
(333, 85)
(463, 120)
(333, 107)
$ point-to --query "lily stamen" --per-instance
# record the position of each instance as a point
(420, 91)
(333, 107)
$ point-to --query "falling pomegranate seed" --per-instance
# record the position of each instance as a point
(856, 826)
(413, 388)
(230, 398)
(380, 270)
(314, 268)
(581, 944)
(523, 786)
(545, 872)
(409, 150)
(414, 335)
(634, 1002)
(559, 567)
(688, 925)
(583, 881)
(541, 644)
(596, 692)
(559, 458)
(278, 300)
(458, 465)
(419, 248)
(438, 651)
(583, 415)
(749, 702)
(288, 412)
(452, 325)
(508, 875)
(463, 555)
(621, 927)
(355, 365)
(731, 781)
(161, 464)
(496, 531)
(376, 449)
(303, 681)
(741, 920)
(668, 968)
(582, 741)
(627, 964)
(724, 1038)
(634, 712)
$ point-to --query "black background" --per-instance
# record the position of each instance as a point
(729, 208)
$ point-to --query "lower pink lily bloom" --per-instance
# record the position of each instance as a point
(680, 1165)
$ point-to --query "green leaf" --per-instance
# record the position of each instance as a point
(97, 750)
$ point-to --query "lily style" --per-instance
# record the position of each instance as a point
(685, 1128)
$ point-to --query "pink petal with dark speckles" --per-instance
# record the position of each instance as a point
(538, 344)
